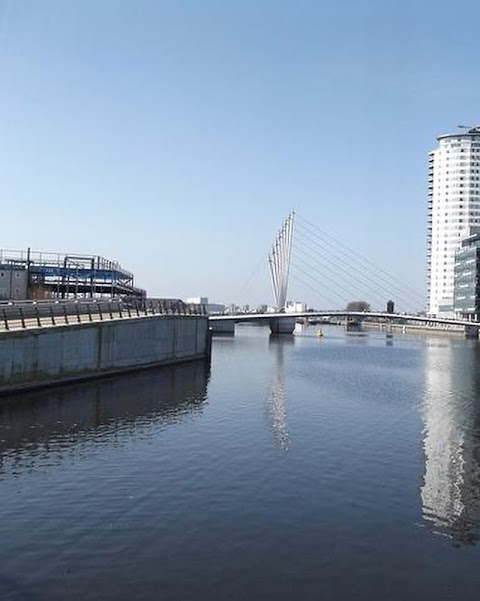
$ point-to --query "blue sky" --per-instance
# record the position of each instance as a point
(176, 136)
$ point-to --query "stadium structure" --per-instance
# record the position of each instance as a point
(37, 275)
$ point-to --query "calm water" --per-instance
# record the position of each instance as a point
(342, 467)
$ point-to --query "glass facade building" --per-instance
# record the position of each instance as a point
(466, 279)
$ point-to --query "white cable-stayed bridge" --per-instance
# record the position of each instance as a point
(335, 274)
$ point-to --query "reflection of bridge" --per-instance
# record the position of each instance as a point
(450, 410)
(275, 402)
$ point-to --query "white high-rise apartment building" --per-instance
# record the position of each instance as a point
(453, 207)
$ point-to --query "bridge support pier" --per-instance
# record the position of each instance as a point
(353, 325)
(282, 325)
(471, 332)
(222, 327)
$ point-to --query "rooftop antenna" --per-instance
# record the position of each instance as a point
(470, 128)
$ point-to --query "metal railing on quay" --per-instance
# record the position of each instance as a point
(22, 315)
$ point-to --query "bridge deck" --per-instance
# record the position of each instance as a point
(398, 317)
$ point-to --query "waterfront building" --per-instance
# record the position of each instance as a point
(453, 205)
(295, 307)
(197, 300)
(210, 308)
(466, 277)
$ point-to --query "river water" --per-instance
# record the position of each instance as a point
(338, 467)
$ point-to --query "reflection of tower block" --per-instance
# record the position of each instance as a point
(451, 484)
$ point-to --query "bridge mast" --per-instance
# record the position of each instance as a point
(279, 261)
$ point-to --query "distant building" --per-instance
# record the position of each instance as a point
(296, 307)
(211, 308)
(198, 300)
(453, 205)
(215, 308)
(466, 278)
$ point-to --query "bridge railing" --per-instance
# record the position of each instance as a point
(21, 315)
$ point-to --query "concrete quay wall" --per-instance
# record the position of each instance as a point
(457, 331)
(45, 356)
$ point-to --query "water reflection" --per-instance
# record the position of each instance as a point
(451, 488)
(59, 419)
(275, 404)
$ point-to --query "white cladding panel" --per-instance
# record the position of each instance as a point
(13, 283)
(453, 207)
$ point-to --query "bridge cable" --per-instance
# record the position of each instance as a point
(320, 294)
(351, 273)
(345, 299)
(380, 278)
(351, 292)
(253, 274)
(373, 278)
(361, 257)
